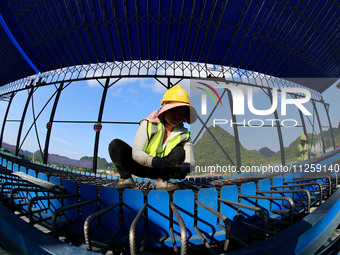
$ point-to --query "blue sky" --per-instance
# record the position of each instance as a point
(131, 100)
(128, 100)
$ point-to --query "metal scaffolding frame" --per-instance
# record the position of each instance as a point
(174, 73)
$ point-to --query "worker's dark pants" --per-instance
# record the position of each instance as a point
(121, 155)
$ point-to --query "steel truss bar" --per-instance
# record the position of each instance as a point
(312, 124)
(155, 69)
(35, 119)
(5, 118)
(99, 120)
(17, 147)
(35, 122)
(215, 139)
(320, 126)
(330, 124)
(206, 122)
(49, 130)
(236, 136)
(303, 124)
(165, 86)
(279, 132)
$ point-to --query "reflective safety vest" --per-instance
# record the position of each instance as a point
(154, 146)
(303, 152)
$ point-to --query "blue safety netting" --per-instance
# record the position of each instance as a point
(286, 39)
(13, 66)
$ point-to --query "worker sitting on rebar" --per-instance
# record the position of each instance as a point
(162, 148)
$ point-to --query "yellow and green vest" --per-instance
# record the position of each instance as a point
(303, 155)
(154, 146)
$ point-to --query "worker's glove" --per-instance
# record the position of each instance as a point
(163, 165)
(181, 171)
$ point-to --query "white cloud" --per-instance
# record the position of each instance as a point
(117, 92)
(129, 89)
(93, 83)
(132, 90)
(152, 84)
(62, 141)
(121, 93)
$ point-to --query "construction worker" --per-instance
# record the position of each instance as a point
(162, 148)
(303, 148)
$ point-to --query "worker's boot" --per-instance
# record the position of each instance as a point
(126, 183)
(166, 185)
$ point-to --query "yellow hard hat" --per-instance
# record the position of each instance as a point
(176, 94)
(303, 137)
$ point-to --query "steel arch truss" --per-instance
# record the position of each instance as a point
(160, 69)
(173, 71)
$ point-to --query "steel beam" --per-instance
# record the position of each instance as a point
(330, 124)
(279, 132)
(236, 136)
(49, 130)
(303, 122)
(30, 93)
(319, 122)
(5, 118)
(99, 120)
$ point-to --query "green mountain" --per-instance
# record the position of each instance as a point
(101, 162)
(291, 152)
(209, 153)
(37, 155)
(265, 151)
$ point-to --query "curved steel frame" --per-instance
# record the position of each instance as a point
(154, 69)
(146, 69)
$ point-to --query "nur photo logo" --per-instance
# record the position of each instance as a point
(204, 97)
(242, 98)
